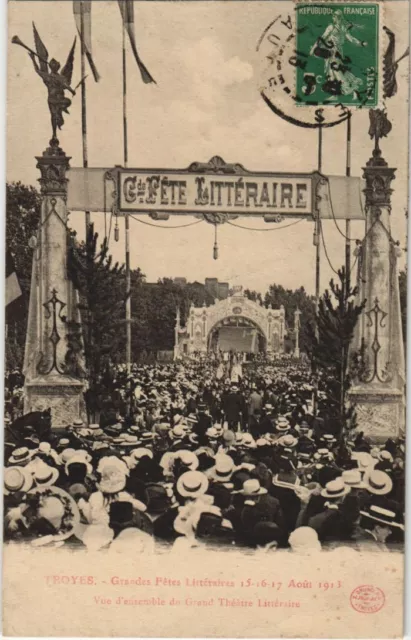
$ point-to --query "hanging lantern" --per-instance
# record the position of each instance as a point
(215, 249)
(116, 231)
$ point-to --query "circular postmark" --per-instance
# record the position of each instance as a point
(307, 78)
(367, 599)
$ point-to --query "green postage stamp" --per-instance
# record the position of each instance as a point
(337, 46)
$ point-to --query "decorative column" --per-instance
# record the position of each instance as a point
(282, 328)
(297, 314)
(379, 387)
(176, 335)
(53, 366)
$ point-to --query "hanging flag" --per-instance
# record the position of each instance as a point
(82, 13)
(127, 13)
(13, 290)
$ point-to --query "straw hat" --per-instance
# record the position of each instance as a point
(16, 479)
(192, 484)
(252, 487)
(94, 536)
(282, 424)
(352, 478)
(304, 539)
(140, 452)
(382, 515)
(287, 441)
(223, 468)
(44, 475)
(112, 480)
(335, 489)
(59, 508)
(20, 456)
(188, 458)
(378, 482)
(66, 454)
(248, 441)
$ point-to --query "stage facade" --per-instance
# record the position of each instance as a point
(235, 324)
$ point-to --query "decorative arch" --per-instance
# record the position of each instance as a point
(202, 321)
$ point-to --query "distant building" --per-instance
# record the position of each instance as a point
(218, 290)
(223, 290)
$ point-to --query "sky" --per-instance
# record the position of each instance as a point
(206, 102)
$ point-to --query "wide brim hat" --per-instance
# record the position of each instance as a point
(20, 456)
(378, 482)
(23, 480)
(188, 458)
(94, 536)
(288, 441)
(352, 478)
(282, 426)
(335, 489)
(147, 436)
(71, 518)
(248, 441)
(49, 480)
(140, 452)
(192, 484)
(382, 515)
(112, 481)
(252, 487)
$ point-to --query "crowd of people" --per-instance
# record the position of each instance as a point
(201, 461)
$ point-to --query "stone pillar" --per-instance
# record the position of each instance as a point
(177, 335)
(282, 329)
(297, 314)
(378, 389)
(53, 376)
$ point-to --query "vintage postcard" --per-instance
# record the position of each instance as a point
(206, 307)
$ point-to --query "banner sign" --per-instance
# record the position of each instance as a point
(215, 187)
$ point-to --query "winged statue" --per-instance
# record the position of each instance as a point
(57, 81)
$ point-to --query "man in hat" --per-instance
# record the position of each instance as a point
(377, 524)
(233, 407)
(333, 522)
(204, 422)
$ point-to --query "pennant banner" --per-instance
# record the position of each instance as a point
(127, 13)
(82, 12)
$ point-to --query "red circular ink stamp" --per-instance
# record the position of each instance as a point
(367, 599)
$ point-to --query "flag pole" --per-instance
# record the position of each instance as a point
(126, 217)
(317, 243)
(347, 221)
(83, 104)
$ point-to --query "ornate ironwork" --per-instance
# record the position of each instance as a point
(217, 165)
(51, 312)
(216, 218)
(376, 317)
(53, 165)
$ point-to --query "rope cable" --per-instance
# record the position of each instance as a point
(233, 224)
(326, 252)
(159, 226)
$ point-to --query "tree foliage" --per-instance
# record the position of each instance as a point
(23, 205)
(338, 315)
(102, 292)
